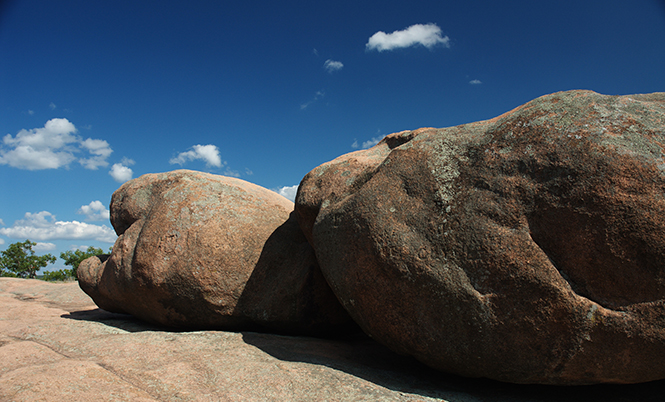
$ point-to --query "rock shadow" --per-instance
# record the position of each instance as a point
(125, 322)
(364, 358)
(287, 293)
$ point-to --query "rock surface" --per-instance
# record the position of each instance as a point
(528, 248)
(56, 345)
(205, 251)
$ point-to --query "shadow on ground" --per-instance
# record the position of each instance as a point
(124, 322)
(364, 358)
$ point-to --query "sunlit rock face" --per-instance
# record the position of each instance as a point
(527, 248)
(197, 250)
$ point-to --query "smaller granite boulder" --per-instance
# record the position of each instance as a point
(204, 251)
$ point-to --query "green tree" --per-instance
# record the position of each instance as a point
(74, 258)
(20, 260)
(59, 275)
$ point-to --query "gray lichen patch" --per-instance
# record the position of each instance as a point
(444, 166)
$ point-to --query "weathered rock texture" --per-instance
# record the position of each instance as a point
(56, 346)
(528, 248)
(207, 251)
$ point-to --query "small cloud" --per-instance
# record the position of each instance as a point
(43, 247)
(121, 172)
(331, 66)
(231, 173)
(207, 153)
(100, 150)
(315, 52)
(288, 192)
(95, 211)
(74, 247)
(428, 35)
(475, 82)
(2, 223)
(2, 242)
(31, 112)
(43, 226)
(372, 142)
(317, 96)
(248, 172)
(53, 146)
(52, 106)
(368, 143)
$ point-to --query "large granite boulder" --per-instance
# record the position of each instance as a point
(528, 248)
(206, 251)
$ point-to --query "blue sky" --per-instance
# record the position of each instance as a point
(93, 93)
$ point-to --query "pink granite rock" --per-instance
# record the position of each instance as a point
(528, 248)
(205, 251)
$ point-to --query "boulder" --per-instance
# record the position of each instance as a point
(527, 248)
(204, 251)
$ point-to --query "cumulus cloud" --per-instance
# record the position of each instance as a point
(121, 172)
(331, 66)
(43, 247)
(475, 82)
(53, 146)
(95, 211)
(428, 35)
(289, 192)
(207, 153)
(100, 150)
(2, 242)
(368, 143)
(43, 226)
(74, 247)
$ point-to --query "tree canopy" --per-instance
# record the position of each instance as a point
(19, 260)
(74, 258)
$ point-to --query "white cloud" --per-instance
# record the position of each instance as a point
(51, 147)
(317, 96)
(31, 112)
(288, 192)
(74, 247)
(52, 106)
(331, 66)
(43, 247)
(101, 151)
(368, 143)
(428, 35)
(2, 242)
(43, 226)
(475, 82)
(2, 223)
(207, 153)
(231, 173)
(95, 211)
(121, 172)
